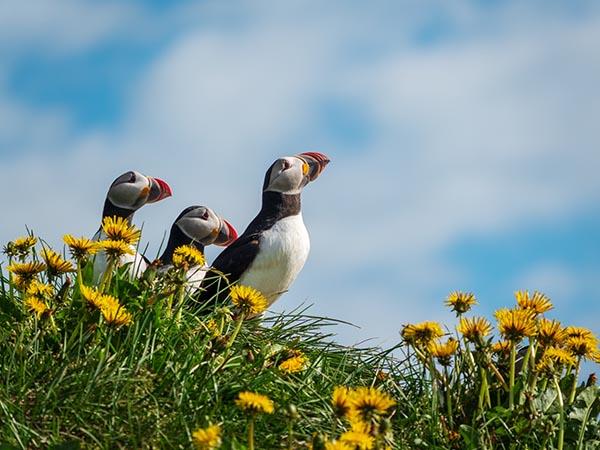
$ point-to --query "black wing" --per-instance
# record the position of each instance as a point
(231, 262)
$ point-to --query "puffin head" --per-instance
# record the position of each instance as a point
(132, 190)
(201, 224)
(288, 175)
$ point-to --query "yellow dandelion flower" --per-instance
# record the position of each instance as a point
(578, 332)
(538, 303)
(55, 264)
(109, 302)
(36, 306)
(116, 315)
(296, 363)
(40, 290)
(341, 401)
(474, 329)
(26, 271)
(461, 302)
(338, 445)
(582, 346)
(187, 256)
(369, 401)
(92, 296)
(99, 300)
(515, 324)
(22, 283)
(254, 403)
(80, 247)
(443, 352)
(213, 328)
(358, 440)
(550, 333)
(20, 247)
(421, 333)
(207, 438)
(116, 249)
(248, 299)
(119, 229)
(553, 359)
(501, 347)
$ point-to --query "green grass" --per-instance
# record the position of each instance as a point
(68, 380)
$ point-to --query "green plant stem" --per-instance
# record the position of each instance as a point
(511, 380)
(584, 422)
(448, 397)
(290, 434)
(497, 373)
(107, 275)
(434, 389)
(470, 358)
(11, 289)
(574, 385)
(251, 433)
(561, 430)
(179, 303)
(484, 391)
(238, 327)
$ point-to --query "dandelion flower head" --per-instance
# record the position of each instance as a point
(187, 256)
(248, 299)
(254, 402)
(515, 324)
(80, 247)
(421, 333)
(55, 263)
(461, 302)
(294, 364)
(474, 329)
(36, 306)
(207, 438)
(119, 229)
(538, 303)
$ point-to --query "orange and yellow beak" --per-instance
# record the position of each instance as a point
(159, 190)
(314, 164)
(227, 234)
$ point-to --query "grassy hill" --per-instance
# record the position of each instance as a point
(136, 364)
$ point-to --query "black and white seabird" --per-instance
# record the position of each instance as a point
(128, 193)
(196, 226)
(271, 252)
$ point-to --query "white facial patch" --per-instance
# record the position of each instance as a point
(287, 176)
(200, 230)
(129, 194)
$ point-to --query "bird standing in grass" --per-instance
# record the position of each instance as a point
(128, 193)
(196, 227)
(271, 252)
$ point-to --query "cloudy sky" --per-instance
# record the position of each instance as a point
(463, 137)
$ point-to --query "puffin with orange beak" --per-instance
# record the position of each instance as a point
(271, 252)
(196, 226)
(128, 193)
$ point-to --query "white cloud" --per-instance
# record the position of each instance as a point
(481, 134)
(60, 25)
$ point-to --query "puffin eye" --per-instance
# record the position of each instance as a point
(285, 165)
(132, 177)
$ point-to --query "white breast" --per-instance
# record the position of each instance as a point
(136, 263)
(194, 278)
(283, 250)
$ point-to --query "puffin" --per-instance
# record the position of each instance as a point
(196, 226)
(271, 252)
(128, 193)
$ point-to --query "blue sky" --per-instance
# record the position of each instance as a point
(464, 137)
